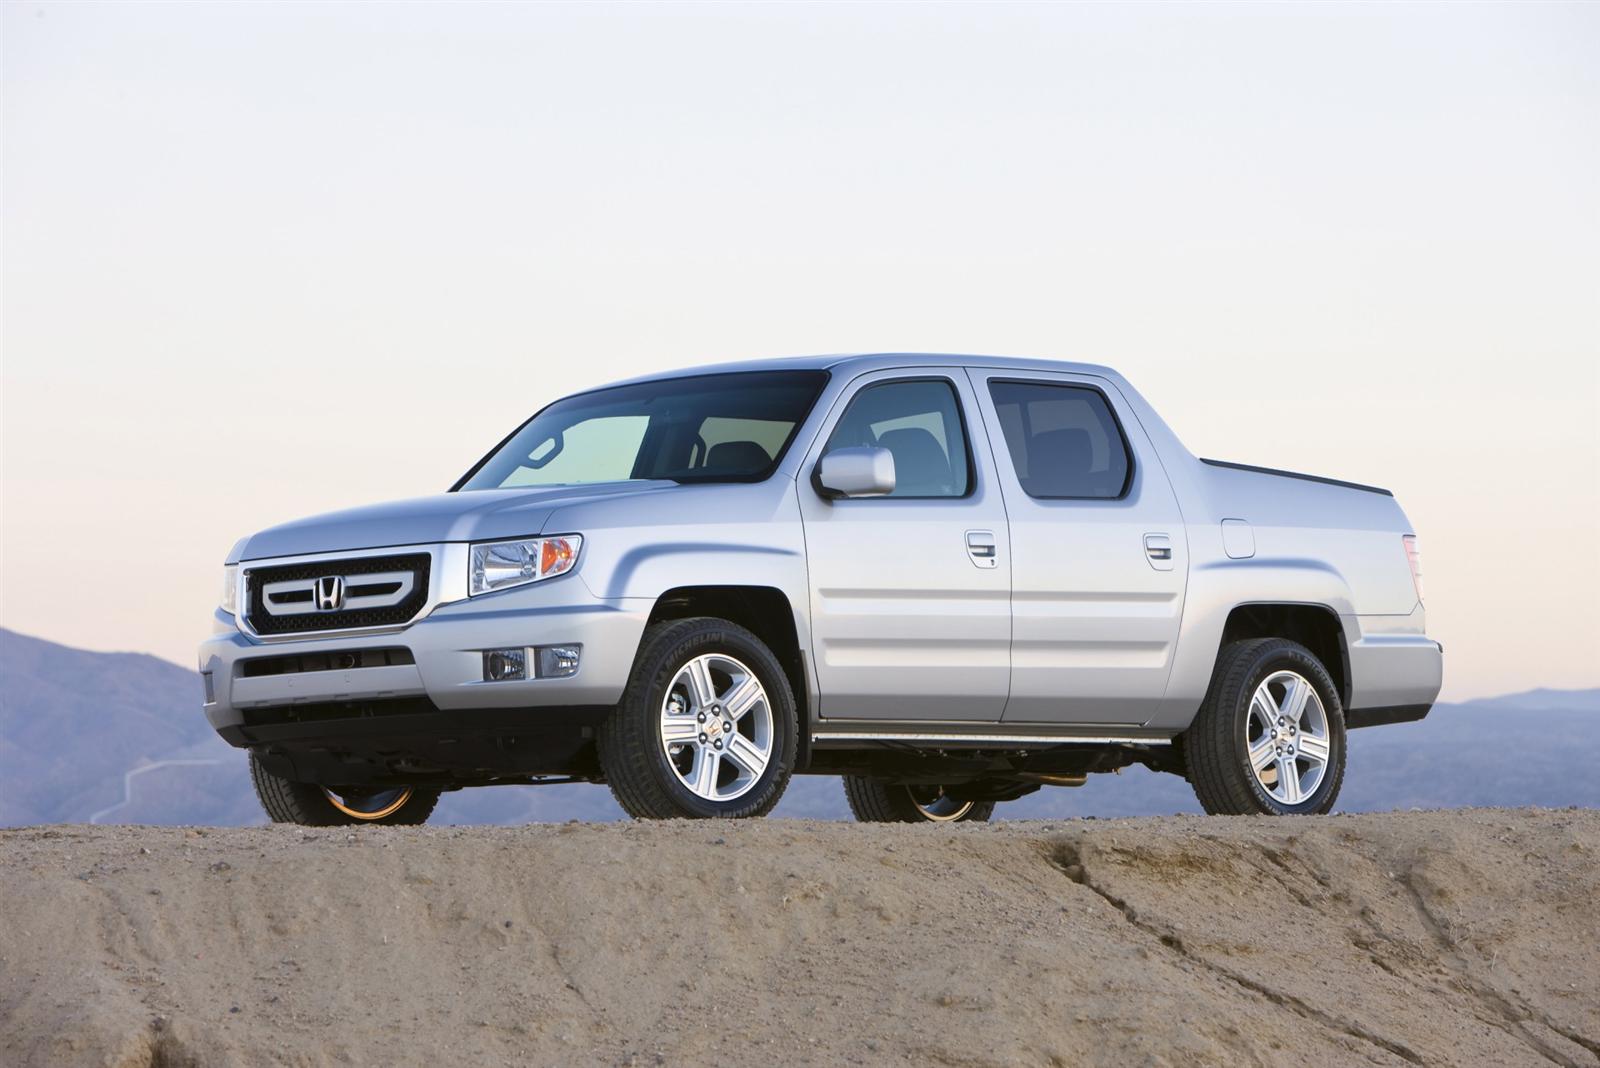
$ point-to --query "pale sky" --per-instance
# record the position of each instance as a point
(266, 261)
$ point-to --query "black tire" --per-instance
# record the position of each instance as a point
(1216, 743)
(629, 742)
(309, 805)
(875, 801)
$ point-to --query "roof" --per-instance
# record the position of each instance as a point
(858, 362)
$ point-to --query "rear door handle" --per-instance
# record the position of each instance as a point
(1158, 549)
(982, 548)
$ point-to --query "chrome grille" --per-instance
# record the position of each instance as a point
(349, 594)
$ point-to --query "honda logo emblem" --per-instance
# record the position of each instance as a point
(363, 591)
(329, 593)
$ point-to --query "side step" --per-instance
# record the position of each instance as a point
(843, 739)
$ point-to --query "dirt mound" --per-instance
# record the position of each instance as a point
(1467, 937)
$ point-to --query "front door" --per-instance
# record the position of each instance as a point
(910, 592)
(1098, 553)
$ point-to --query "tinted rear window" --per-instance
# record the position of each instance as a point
(1064, 440)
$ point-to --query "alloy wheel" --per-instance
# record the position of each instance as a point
(716, 727)
(369, 804)
(936, 805)
(1287, 741)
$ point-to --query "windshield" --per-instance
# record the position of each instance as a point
(710, 428)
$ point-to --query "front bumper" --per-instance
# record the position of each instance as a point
(445, 648)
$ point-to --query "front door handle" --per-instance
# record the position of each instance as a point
(982, 548)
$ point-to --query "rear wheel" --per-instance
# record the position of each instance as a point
(1270, 737)
(309, 805)
(875, 801)
(706, 728)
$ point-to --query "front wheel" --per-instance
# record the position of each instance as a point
(309, 805)
(706, 728)
(875, 801)
(1270, 738)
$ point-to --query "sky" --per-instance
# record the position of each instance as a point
(263, 261)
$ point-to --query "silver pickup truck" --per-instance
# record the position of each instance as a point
(949, 579)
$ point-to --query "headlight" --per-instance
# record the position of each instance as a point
(230, 589)
(499, 565)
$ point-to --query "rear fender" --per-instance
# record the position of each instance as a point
(1215, 590)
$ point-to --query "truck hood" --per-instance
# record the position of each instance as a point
(478, 515)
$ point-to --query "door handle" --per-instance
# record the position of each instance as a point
(982, 548)
(1158, 549)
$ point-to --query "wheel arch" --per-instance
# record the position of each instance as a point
(1315, 626)
(766, 612)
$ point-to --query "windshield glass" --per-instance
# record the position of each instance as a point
(710, 428)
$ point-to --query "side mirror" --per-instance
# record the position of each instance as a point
(860, 471)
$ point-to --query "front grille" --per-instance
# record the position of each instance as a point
(401, 612)
(335, 711)
(343, 660)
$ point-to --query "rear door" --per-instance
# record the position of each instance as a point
(1098, 555)
(910, 593)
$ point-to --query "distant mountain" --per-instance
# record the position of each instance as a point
(1544, 700)
(120, 738)
(73, 723)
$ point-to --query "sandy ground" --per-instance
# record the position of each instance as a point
(1469, 937)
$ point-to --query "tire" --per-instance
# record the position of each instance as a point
(875, 801)
(662, 749)
(1229, 738)
(310, 805)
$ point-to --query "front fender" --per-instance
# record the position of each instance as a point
(713, 535)
(649, 570)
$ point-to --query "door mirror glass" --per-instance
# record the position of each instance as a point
(859, 471)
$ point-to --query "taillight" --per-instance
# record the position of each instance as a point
(1414, 557)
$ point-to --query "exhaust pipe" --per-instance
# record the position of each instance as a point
(1052, 780)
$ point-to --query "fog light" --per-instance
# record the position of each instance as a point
(558, 661)
(505, 665)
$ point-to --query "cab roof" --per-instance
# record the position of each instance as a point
(857, 362)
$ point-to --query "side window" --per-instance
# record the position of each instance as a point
(1064, 440)
(919, 422)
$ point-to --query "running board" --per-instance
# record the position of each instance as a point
(826, 738)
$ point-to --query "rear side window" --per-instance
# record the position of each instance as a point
(1064, 440)
(919, 422)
